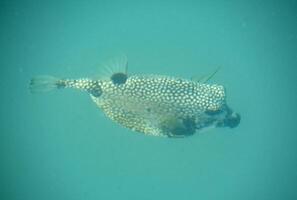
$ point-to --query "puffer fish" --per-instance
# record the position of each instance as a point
(152, 104)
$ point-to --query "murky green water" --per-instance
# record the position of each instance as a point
(60, 146)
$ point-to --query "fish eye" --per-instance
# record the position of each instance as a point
(119, 78)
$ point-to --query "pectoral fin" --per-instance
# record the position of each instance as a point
(175, 127)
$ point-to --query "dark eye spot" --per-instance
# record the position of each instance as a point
(119, 78)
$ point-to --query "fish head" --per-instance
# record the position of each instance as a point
(225, 117)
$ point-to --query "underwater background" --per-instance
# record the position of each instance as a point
(59, 145)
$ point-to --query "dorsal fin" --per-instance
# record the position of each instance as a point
(118, 64)
(205, 78)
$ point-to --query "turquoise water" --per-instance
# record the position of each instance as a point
(59, 145)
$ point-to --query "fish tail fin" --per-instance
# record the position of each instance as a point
(45, 83)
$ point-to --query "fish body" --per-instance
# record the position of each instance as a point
(153, 104)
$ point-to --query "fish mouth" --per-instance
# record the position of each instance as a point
(232, 120)
(225, 117)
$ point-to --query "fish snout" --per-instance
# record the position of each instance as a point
(232, 120)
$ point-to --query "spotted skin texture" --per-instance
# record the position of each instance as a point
(156, 105)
